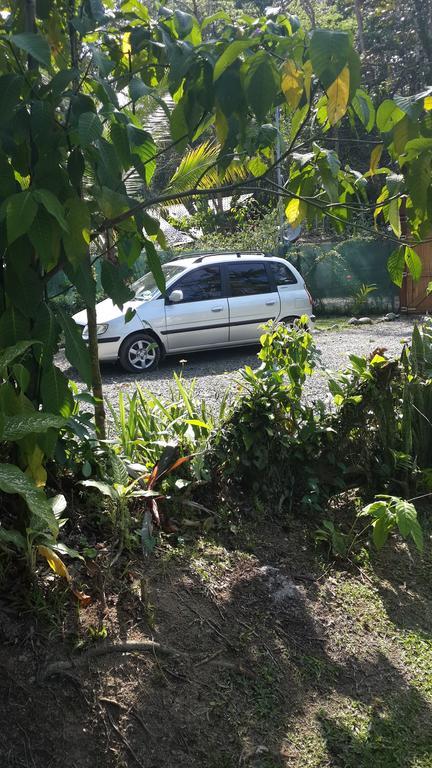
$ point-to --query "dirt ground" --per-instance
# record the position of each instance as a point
(265, 655)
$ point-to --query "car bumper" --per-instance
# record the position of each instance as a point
(108, 349)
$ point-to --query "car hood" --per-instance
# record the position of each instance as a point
(107, 311)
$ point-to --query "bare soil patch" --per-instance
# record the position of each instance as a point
(269, 656)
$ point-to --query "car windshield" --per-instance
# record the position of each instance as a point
(146, 288)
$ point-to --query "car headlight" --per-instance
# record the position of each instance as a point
(100, 330)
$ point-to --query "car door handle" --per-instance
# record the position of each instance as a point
(216, 309)
(270, 303)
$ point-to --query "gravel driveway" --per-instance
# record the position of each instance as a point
(216, 371)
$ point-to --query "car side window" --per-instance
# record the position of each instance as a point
(200, 284)
(248, 279)
(282, 274)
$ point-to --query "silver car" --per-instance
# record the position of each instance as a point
(211, 301)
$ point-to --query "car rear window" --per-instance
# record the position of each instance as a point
(248, 279)
(282, 274)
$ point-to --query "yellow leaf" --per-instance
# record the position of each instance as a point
(54, 562)
(58, 566)
(295, 211)
(338, 95)
(308, 79)
(292, 83)
(375, 158)
(427, 103)
(35, 468)
(126, 46)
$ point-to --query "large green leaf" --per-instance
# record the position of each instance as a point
(112, 283)
(76, 167)
(24, 286)
(388, 115)
(76, 243)
(10, 95)
(14, 327)
(104, 488)
(418, 181)
(52, 205)
(142, 144)
(45, 236)
(154, 265)
(47, 330)
(380, 531)
(21, 209)
(413, 262)
(8, 355)
(261, 83)
(14, 481)
(56, 395)
(89, 128)
(83, 280)
(22, 425)
(183, 23)
(137, 89)
(35, 45)
(396, 265)
(76, 350)
(330, 52)
(120, 140)
(364, 109)
(230, 54)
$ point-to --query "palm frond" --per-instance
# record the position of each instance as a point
(198, 170)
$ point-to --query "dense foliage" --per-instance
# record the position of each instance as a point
(77, 180)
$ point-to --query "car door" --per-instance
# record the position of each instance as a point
(252, 298)
(292, 293)
(200, 320)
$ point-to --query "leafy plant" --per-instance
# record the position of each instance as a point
(144, 423)
(389, 513)
(270, 439)
(338, 542)
(142, 487)
(360, 296)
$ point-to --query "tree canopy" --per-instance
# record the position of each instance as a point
(78, 163)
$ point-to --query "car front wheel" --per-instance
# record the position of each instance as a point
(140, 353)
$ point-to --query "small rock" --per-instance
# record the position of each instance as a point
(353, 321)
(365, 321)
(281, 588)
(390, 316)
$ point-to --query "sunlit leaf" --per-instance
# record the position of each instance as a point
(35, 45)
(338, 95)
(292, 83)
(295, 211)
(375, 158)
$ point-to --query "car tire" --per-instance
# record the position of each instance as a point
(289, 321)
(140, 353)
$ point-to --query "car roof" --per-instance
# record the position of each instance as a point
(212, 258)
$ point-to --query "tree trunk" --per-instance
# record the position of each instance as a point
(423, 14)
(96, 379)
(359, 17)
(100, 419)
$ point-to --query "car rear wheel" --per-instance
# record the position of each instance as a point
(140, 353)
(290, 321)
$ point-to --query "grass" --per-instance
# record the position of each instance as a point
(328, 323)
(366, 702)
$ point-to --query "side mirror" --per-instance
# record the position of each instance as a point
(176, 296)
